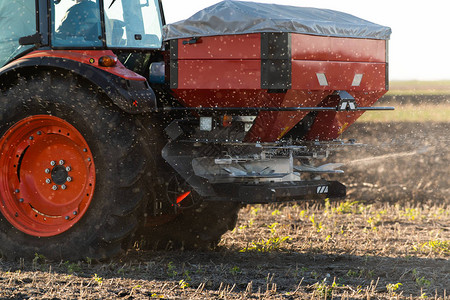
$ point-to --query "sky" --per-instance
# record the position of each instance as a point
(419, 48)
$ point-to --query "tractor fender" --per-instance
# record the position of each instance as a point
(132, 96)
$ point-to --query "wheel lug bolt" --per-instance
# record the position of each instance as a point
(17, 191)
(75, 213)
(68, 169)
(31, 137)
(85, 149)
(47, 170)
(89, 159)
(67, 218)
(69, 179)
(21, 200)
(39, 132)
(53, 163)
(54, 187)
(61, 162)
(48, 181)
(63, 186)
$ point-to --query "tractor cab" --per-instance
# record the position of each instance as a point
(106, 23)
(79, 24)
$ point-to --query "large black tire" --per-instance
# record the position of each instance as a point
(120, 194)
(198, 228)
(199, 224)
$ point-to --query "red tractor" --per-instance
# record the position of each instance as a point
(112, 133)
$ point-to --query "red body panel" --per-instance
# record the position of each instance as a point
(88, 57)
(226, 71)
(219, 74)
(308, 47)
(338, 74)
(329, 125)
(271, 126)
(246, 46)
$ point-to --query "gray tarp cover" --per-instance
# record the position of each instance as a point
(239, 17)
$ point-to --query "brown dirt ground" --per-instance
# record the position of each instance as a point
(389, 239)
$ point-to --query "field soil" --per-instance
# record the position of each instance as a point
(402, 162)
(390, 238)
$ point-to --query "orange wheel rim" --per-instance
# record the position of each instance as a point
(47, 177)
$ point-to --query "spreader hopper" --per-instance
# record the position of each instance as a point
(290, 61)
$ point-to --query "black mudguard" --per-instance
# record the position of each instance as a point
(129, 95)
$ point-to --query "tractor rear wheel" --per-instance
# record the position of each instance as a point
(196, 224)
(198, 228)
(72, 165)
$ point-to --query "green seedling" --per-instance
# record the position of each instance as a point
(72, 267)
(186, 275)
(235, 270)
(317, 226)
(171, 270)
(392, 288)
(269, 245)
(38, 260)
(276, 212)
(347, 207)
(183, 284)
(434, 246)
(254, 211)
(98, 279)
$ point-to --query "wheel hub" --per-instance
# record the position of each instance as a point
(59, 175)
(50, 176)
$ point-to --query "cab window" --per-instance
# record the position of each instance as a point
(17, 19)
(133, 24)
(76, 23)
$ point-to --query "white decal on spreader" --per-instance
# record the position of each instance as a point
(322, 189)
